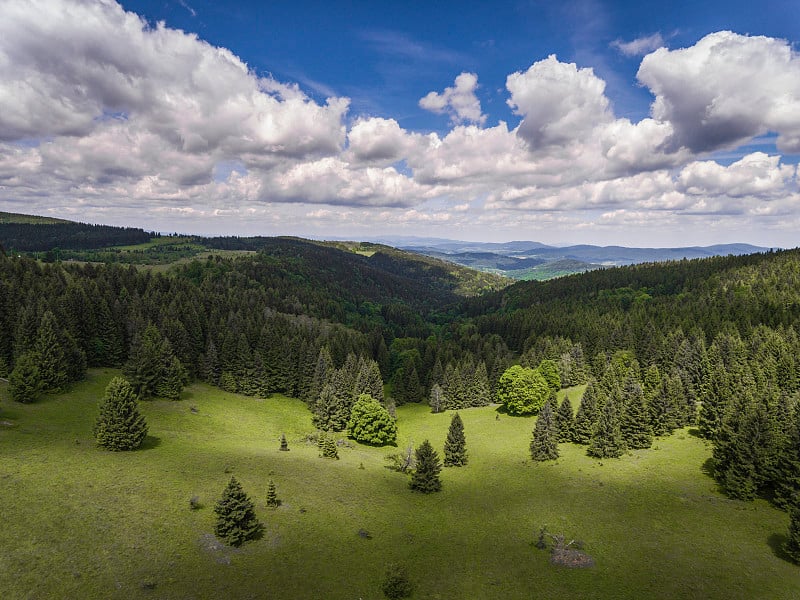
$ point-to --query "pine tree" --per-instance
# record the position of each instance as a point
(586, 416)
(331, 410)
(236, 517)
(327, 446)
(173, 377)
(544, 445)
(25, 381)
(51, 354)
(425, 478)
(120, 426)
(153, 369)
(792, 545)
(455, 446)
(787, 470)
(635, 420)
(664, 414)
(607, 439)
(272, 495)
(284, 444)
(565, 419)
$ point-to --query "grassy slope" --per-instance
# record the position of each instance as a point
(80, 522)
(6, 217)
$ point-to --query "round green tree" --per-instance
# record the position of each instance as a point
(522, 391)
(425, 478)
(370, 423)
(455, 446)
(120, 426)
(236, 516)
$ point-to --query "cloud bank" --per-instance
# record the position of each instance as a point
(106, 117)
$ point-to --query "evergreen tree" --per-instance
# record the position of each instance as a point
(236, 517)
(322, 374)
(663, 409)
(173, 377)
(635, 420)
(331, 411)
(272, 495)
(455, 446)
(369, 380)
(425, 478)
(371, 423)
(744, 458)
(565, 419)
(284, 444)
(792, 545)
(120, 426)
(25, 380)
(544, 445)
(586, 416)
(53, 368)
(787, 470)
(327, 446)
(607, 441)
(154, 370)
(478, 392)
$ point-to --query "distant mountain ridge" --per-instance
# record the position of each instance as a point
(534, 260)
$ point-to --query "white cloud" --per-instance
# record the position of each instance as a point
(459, 101)
(559, 103)
(726, 89)
(639, 46)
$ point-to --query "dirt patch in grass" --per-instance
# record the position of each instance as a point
(212, 547)
(572, 559)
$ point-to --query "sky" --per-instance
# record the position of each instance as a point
(578, 121)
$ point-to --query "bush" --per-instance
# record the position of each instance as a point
(370, 423)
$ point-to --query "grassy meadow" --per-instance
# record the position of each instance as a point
(79, 522)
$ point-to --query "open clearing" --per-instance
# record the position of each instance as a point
(79, 522)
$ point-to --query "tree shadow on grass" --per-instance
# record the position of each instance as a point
(695, 432)
(150, 442)
(777, 541)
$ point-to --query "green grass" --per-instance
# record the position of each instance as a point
(78, 522)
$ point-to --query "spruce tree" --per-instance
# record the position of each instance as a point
(236, 517)
(455, 446)
(635, 419)
(664, 414)
(607, 439)
(52, 357)
(544, 445)
(787, 469)
(327, 446)
(284, 444)
(272, 495)
(425, 478)
(792, 545)
(565, 419)
(25, 381)
(120, 426)
(586, 416)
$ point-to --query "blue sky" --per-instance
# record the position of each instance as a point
(630, 123)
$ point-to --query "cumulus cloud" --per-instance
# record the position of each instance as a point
(726, 89)
(639, 46)
(109, 118)
(558, 102)
(459, 101)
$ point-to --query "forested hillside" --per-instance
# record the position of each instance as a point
(711, 342)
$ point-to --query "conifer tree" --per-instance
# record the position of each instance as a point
(787, 469)
(50, 352)
(153, 369)
(236, 517)
(607, 439)
(455, 446)
(664, 416)
(425, 478)
(635, 419)
(25, 380)
(327, 446)
(544, 445)
(322, 373)
(331, 411)
(587, 414)
(565, 419)
(272, 495)
(120, 426)
(369, 380)
(284, 444)
(792, 545)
